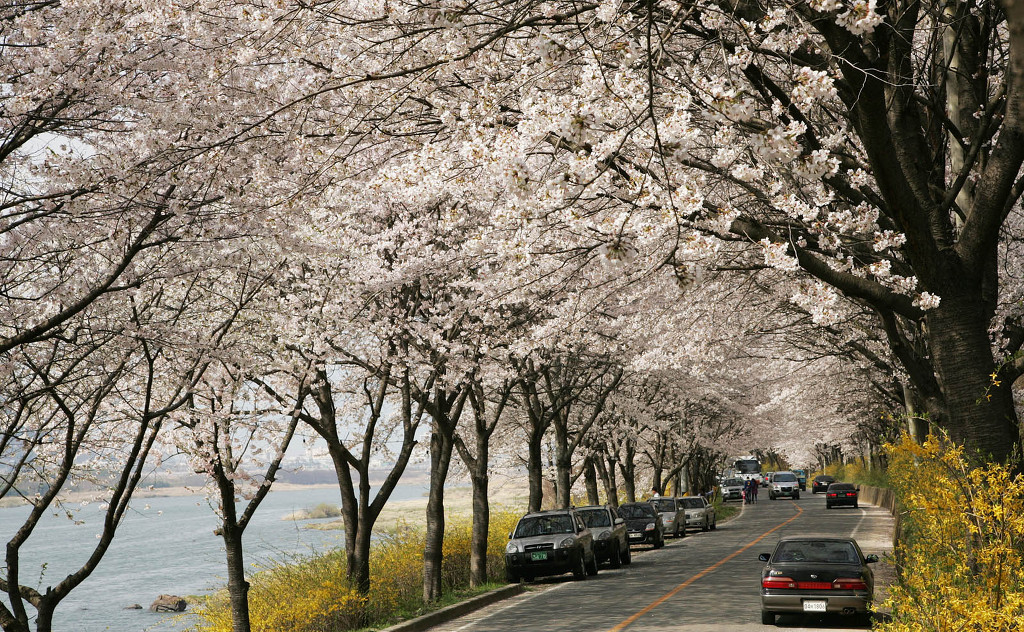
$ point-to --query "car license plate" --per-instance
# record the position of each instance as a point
(815, 605)
(635, 536)
(539, 556)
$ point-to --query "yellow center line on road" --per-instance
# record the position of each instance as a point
(631, 620)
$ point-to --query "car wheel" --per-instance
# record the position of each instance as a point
(616, 559)
(796, 496)
(856, 506)
(527, 578)
(580, 572)
(675, 534)
(660, 542)
(767, 618)
(705, 527)
(511, 577)
(772, 496)
(828, 506)
(592, 568)
(714, 525)
(628, 559)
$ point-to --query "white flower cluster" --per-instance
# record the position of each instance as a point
(927, 301)
(813, 85)
(607, 10)
(817, 165)
(775, 255)
(780, 143)
(820, 301)
(861, 18)
(888, 239)
(825, 5)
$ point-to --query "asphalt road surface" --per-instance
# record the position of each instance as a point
(703, 582)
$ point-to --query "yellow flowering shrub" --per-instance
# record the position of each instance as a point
(960, 557)
(312, 594)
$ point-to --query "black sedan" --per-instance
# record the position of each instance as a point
(821, 483)
(841, 494)
(643, 523)
(816, 574)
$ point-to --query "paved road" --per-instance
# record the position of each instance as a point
(704, 582)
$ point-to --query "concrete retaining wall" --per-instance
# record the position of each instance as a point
(880, 497)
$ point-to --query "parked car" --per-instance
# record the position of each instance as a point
(784, 484)
(821, 483)
(611, 539)
(732, 489)
(767, 480)
(801, 477)
(700, 514)
(550, 543)
(822, 574)
(841, 494)
(673, 516)
(644, 524)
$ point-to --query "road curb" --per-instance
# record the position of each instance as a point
(455, 611)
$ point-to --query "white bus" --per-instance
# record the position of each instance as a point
(745, 467)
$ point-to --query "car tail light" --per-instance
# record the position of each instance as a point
(832, 495)
(849, 583)
(777, 582)
(849, 494)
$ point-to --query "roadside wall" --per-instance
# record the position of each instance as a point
(880, 497)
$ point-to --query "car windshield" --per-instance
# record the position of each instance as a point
(665, 504)
(596, 518)
(732, 482)
(783, 478)
(835, 552)
(692, 503)
(543, 525)
(636, 511)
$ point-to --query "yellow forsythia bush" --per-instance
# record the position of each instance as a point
(960, 557)
(312, 594)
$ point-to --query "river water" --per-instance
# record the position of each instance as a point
(165, 545)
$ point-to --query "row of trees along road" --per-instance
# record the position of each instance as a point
(637, 236)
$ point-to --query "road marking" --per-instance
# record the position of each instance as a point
(631, 620)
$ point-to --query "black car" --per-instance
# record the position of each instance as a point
(550, 543)
(841, 494)
(821, 483)
(611, 539)
(643, 523)
(816, 574)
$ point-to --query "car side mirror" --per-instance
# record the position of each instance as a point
(619, 521)
(871, 559)
(509, 535)
(764, 557)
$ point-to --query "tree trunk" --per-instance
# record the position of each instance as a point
(238, 587)
(979, 413)
(481, 527)
(441, 446)
(590, 478)
(628, 468)
(535, 469)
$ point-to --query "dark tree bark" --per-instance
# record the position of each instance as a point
(484, 424)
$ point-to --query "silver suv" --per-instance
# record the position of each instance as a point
(550, 543)
(784, 484)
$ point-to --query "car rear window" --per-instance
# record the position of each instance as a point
(636, 511)
(841, 487)
(665, 504)
(596, 518)
(544, 525)
(816, 551)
